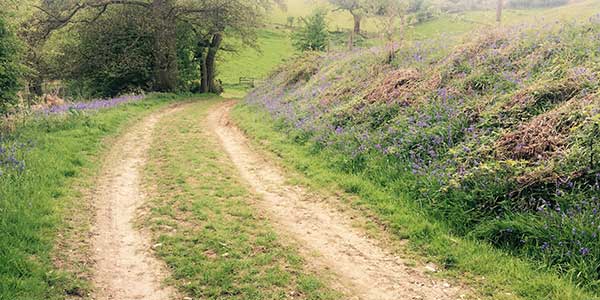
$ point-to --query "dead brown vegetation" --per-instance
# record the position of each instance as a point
(545, 136)
(398, 86)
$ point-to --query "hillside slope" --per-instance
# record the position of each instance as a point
(499, 138)
(275, 45)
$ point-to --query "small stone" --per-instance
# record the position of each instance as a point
(431, 267)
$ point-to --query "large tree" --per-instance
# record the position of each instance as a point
(238, 19)
(211, 18)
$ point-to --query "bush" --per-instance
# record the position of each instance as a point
(113, 56)
(10, 67)
(313, 36)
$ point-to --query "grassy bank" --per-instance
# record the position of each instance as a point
(207, 231)
(44, 163)
(495, 137)
(492, 273)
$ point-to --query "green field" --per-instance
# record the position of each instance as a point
(274, 47)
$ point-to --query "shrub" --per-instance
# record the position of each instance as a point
(113, 56)
(313, 36)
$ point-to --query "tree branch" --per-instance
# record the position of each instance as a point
(56, 21)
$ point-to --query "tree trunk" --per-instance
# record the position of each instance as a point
(35, 86)
(499, 11)
(211, 58)
(357, 20)
(165, 46)
(35, 78)
(201, 56)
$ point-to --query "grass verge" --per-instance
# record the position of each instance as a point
(493, 273)
(206, 230)
(42, 207)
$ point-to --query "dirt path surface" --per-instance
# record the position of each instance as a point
(359, 265)
(125, 269)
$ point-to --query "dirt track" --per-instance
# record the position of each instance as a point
(360, 266)
(124, 267)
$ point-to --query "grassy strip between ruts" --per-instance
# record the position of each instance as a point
(43, 207)
(206, 230)
(493, 273)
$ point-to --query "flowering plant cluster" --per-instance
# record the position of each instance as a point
(478, 135)
(93, 105)
(13, 151)
(12, 156)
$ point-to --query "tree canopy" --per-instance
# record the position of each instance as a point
(106, 47)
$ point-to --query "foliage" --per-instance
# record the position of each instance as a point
(482, 136)
(113, 55)
(189, 67)
(356, 6)
(313, 35)
(170, 41)
(11, 71)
